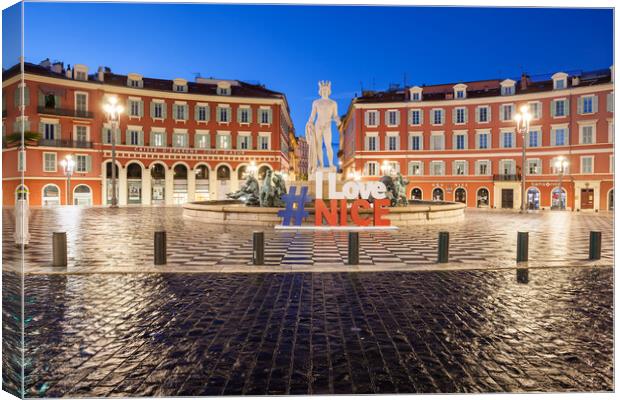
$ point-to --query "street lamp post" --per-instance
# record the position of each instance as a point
(113, 112)
(68, 165)
(523, 119)
(561, 164)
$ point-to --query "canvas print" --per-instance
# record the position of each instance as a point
(252, 199)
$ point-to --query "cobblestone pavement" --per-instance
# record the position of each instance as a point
(121, 240)
(296, 333)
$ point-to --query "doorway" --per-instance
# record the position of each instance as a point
(507, 198)
(587, 199)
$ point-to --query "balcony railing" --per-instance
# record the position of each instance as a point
(64, 112)
(65, 143)
(507, 177)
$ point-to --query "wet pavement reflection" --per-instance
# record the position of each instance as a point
(310, 333)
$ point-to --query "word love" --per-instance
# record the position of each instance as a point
(337, 213)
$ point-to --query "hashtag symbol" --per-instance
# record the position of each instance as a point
(294, 206)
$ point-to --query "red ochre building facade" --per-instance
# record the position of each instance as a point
(178, 141)
(458, 142)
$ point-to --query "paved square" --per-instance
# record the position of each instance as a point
(294, 333)
(121, 240)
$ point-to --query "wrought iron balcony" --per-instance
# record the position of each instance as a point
(507, 177)
(82, 144)
(65, 112)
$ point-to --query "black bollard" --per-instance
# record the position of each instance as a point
(523, 275)
(354, 248)
(59, 249)
(258, 248)
(522, 246)
(443, 247)
(160, 248)
(595, 245)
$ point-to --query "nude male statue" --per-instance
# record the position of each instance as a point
(319, 131)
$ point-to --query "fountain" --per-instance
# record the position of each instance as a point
(258, 204)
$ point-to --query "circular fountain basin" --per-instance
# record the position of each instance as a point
(234, 212)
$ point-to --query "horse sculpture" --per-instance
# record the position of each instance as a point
(267, 191)
(249, 192)
(400, 184)
(279, 190)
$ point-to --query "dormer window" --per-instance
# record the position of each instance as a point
(223, 88)
(559, 80)
(508, 87)
(80, 72)
(179, 85)
(134, 80)
(415, 93)
(460, 91)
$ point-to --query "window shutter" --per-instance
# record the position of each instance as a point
(366, 118)
(239, 115)
(141, 108)
(118, 136)
(513, 142)
(580, 102)
(567, 107)
(174, 111)
(41, 100)
(421, 113)
(465, 114)
(141, 138)
(128, 107)
(489, 113)
(610, 102)
(478, 114)
(218, 114)
(164, 110)
(443, 117)
(250, 115)
(410, 118)
(454, 113)
(367, 142)
(398, 117)
(196, 112)
(127, 136)
(89, 163)
(152, 109)
(465, 141)
(152, 139)
(57, 132)
(26, 96)
(595, 103)
(269, 116)
(57, 101)
(16, 96)
(185, 112)
(476, 167)
(454, 141)
(552, 102)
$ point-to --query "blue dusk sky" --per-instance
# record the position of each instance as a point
(290, 48)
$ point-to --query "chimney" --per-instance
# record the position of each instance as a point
(68, 73)
(45, 63)
(575, 81)
(525, 81)
(57, 67)
(100, 74)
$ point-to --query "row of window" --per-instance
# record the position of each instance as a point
(559, 136)
(586, 105)
(158, 108)
(534, 166)
(202, 112)
(83, 162)
(202, 140)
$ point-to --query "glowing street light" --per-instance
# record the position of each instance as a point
(68, 166)
(523, 119)
(253, 168)
(113, 111)
(385, 167)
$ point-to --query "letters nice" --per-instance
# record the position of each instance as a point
(359, 192)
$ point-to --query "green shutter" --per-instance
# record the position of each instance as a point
(141, 108)
(41, 100)
(152, 107)
(270, 116)
(196, 112)
(118, 137)
(16, 96)
(567, 107)
(552, 108)
(26, 96)
(239, 114)
(89, 163)
(217, 114)
(141, 138)
(186, 112)
(57, 103)
(595, 103)
(57, 132)
(580, 102)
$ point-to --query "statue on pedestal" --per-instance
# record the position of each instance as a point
(319, 130)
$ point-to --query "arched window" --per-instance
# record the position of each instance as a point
(223, 173)
(438, 194)
(51, 196)
(416, 194)
(482, 197)
(460, 196)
